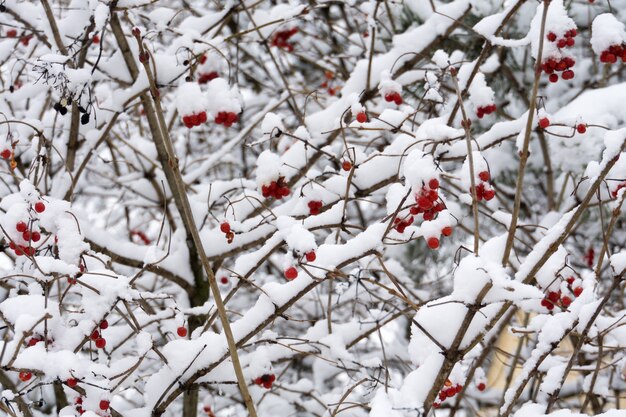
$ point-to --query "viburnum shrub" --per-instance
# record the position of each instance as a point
(298, 208)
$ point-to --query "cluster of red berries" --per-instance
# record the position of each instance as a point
(314, 207)
(551, 66)
(613, 53)
(427, 201)
(96, 336)
(78, 404)
(557, 298)
(181, 331)
(36, 339)
(226, 118)
(265, 380)
(433, 241)
(402, 223)
(327, 83)
(195, 119)
(29, 236)
(73, 280)
(483, 110)
(205, 77)
(394, 96)
(6, 153)
(276, 189)
(361, 117)
(448, 391)
(225, 228)
(483, 189)
(281, 39)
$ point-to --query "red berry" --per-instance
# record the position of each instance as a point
(101, 343)
(11, 33)
(544, 122)
(104, 404)
(346, 165)
(484, 176)
(291, 273)
(40, 207)
(568, 75)
(581, 128)
(225, 227)
(553, 296)
(71, 382)
(446, 231)
(566, 301)
(6, 153)
(104, 324)
(224, 280)
(482, 386)
(26, 236)
(551, 36)
(135, 31)
(35, 236)
(489, 194)
(361, 117)
(25, 376)
(310, 256)
(181, 331)
(570, 280)
(433, 242)
(95, 335)
(553, 78)
(578, 291)
(433, 184)
(21, 227)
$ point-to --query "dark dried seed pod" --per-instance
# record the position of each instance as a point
(63, 110)
(81, 109)
(84, 119)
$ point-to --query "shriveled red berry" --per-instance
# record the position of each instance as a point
(433, 242)
(181, 331)
(291, 273)
(40, 207)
